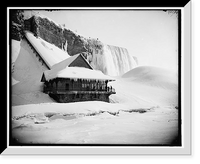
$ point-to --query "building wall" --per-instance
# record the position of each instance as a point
(80, 62)
(77, 85)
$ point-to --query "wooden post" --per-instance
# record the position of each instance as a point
(106, 85)
(72, 84)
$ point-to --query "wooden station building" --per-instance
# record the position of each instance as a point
(74, 79)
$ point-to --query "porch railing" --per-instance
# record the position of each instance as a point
(52, 89)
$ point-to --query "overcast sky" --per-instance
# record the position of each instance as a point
(150, 35)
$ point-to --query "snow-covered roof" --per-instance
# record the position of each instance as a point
(76, 73)
(65, 63)
(64, 69)
(49, 52)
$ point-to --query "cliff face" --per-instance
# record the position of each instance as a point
(16, 24)
(111, 60)
(55, 34)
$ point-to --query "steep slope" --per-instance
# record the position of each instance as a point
(49, 53)
(28, 72)
(30, 58)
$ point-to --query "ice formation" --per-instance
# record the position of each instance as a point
(112, 60)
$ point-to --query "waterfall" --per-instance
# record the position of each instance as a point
(112, 60)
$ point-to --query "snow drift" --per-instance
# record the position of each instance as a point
(147, 86)
(28, 67)
(27, 72)
(153, 76)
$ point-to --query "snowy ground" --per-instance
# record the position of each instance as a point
(141, 114)
(157, 126)
(142, 110)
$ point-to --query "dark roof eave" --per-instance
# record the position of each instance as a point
(80, 78)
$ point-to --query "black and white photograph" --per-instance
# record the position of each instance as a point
(102, 77)
(98, 80)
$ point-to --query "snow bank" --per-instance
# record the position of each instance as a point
(49, 52)
(159, 126)
(15, 49)
(147, 86)
(14, 81)
(33, 97)
(28, 69)
(69, 108)
(153, 76)
(26, 77)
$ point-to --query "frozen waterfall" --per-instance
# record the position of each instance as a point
(112, 60)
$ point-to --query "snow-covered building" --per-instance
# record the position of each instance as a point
(74, 79)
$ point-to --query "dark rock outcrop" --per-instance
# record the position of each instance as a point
(55, 34)
(16, 31)
(16, 24)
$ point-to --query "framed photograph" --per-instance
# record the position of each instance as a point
(99, 80)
